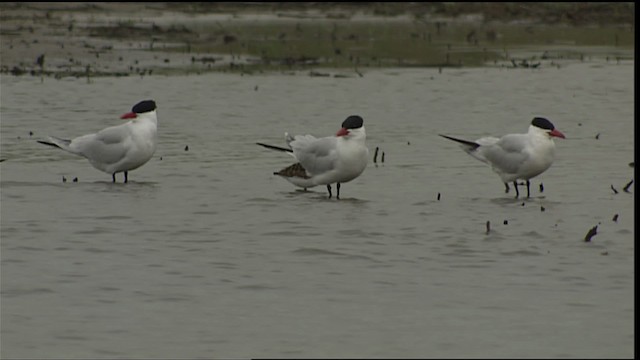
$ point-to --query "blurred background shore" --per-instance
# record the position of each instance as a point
(124, 39)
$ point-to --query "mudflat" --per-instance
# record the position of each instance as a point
(123, 39)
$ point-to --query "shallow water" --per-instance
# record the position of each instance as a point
(206, 254)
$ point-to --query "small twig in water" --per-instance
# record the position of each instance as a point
(614, 189)
(488, 226)
(615, 218)
(40, 62)
(375, 155)
(592, 232)
(438, 196)
(626, 187)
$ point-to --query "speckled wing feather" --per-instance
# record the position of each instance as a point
(295, 170)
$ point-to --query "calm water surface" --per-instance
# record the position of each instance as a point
(206, 254)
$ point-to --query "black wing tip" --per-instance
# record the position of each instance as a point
(273, 147)
(48, 143)
(448, 137)
(472, 144)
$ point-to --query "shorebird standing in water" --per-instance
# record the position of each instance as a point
(120, 148)
(328, 160)
(516, 156)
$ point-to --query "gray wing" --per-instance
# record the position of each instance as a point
(479, 152)
(108, 146)
(315, 155)
(486, 141)
(508, 153)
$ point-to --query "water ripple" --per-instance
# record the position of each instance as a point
(323, 252)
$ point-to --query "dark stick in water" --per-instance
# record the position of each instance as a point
(592, 232)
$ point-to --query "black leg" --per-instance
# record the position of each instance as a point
(329, 189)
(515, 185)
(506, 188)
(528, 184)
(113, 176)
(126, 176)
(338, 192)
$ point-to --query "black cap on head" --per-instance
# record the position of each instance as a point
(144, 106)
(542, 123)
(352, 122)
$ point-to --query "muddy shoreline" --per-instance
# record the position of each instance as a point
(128, 39)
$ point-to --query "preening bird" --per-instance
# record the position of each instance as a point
(328, 160)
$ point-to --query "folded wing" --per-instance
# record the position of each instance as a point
(315, 155)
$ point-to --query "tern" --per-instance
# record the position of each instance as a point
(516, 156)
(120, 148)
(328, 160)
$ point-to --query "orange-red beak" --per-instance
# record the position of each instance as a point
(129, 115)
(556, 133)
(342, 132)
